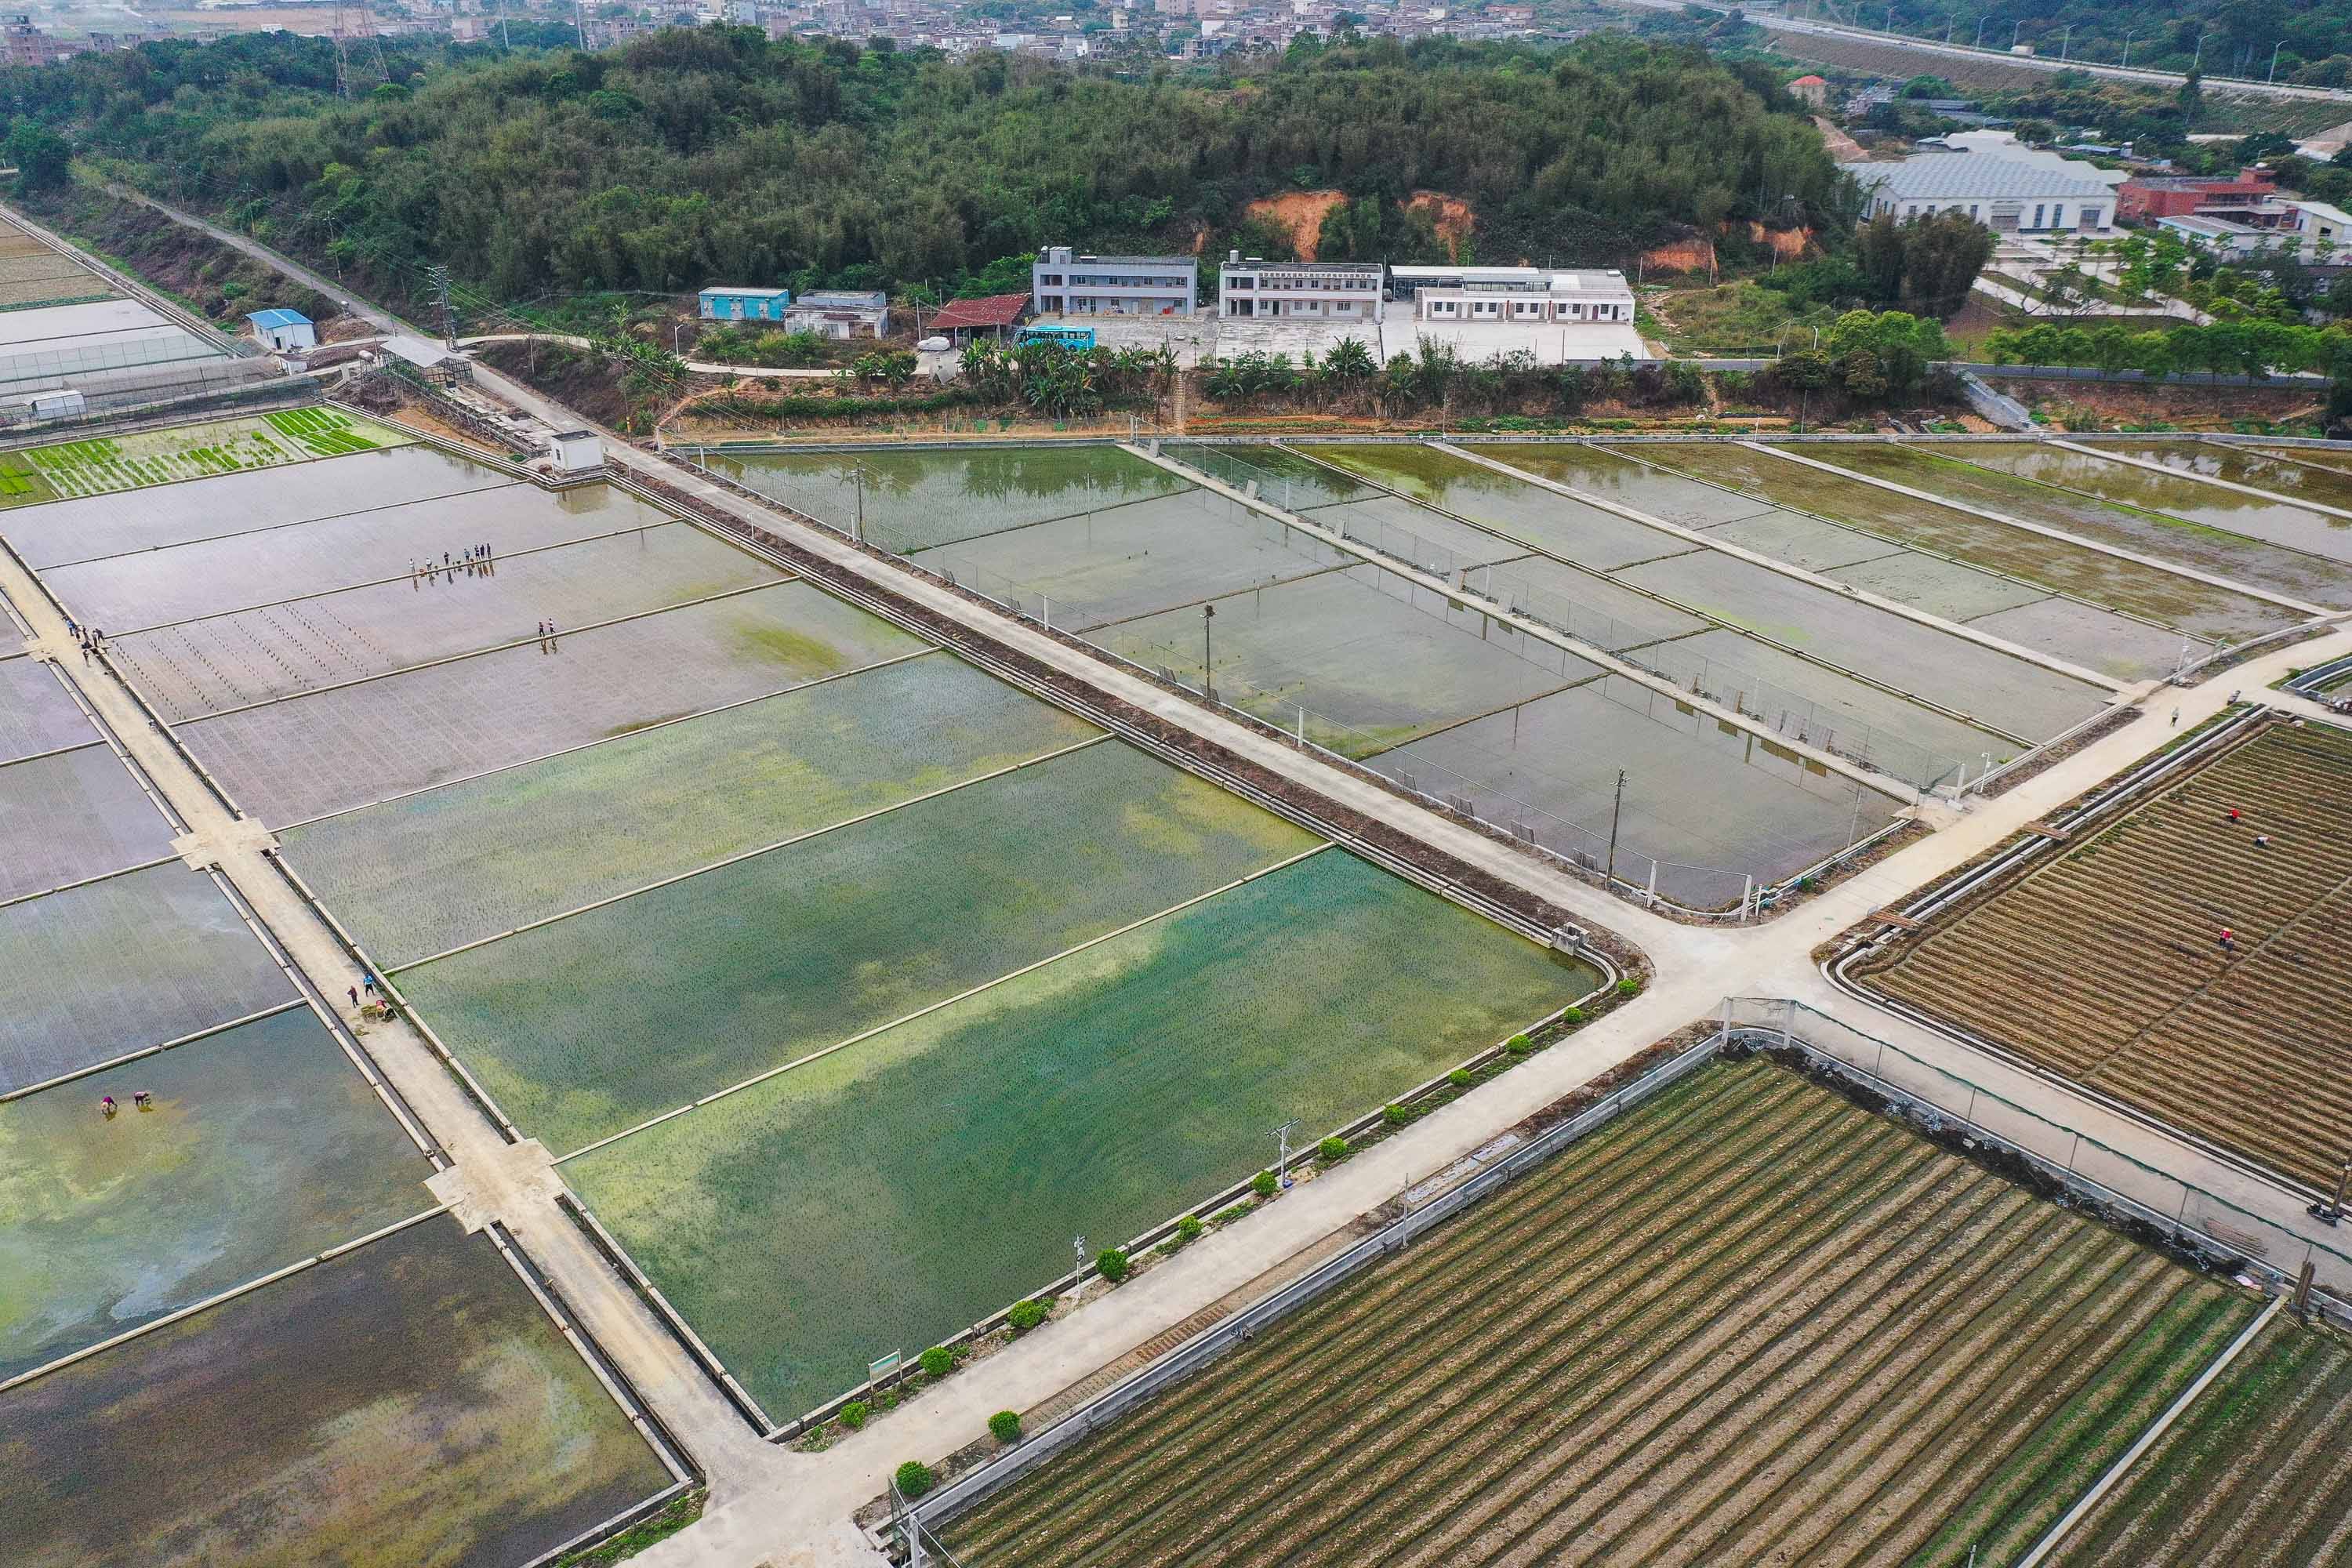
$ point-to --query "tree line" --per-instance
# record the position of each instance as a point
(713, 154)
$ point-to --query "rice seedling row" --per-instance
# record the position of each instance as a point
(1749, 1322)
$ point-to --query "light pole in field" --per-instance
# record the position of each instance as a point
(1980, 28)
(1208, 665)
(1282, 1149)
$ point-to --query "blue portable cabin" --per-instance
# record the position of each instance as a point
(1078, 338)
(729, 303)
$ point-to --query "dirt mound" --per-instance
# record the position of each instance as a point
(1788, 243)
(1449, 216)
(1301, 213)
(1692, 255)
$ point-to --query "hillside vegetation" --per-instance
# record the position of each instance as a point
(714, 154)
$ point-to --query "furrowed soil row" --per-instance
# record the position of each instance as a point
(1833, 1368)
(1750, 1321)
(1413, 1371)
(2257, 1472)
(1967, 1416)
(2015, 1495)
(1623, 1212)
(1751, 1346)
(2104, 961)
(1416, 1457)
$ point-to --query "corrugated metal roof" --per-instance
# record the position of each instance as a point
(1946, 176)
(278, 318)
(995, 310)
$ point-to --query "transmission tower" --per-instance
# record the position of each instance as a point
(342, 56)
(439, 276)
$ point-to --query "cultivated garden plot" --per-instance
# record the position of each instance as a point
(2254, 1474)
(1749, 1322)
(259, 1146)
(1134, 559)
(157, 587)
(69, 531)
(1363, 658)
(114, 966)
(2106, 963)
(1940, 469)
(37, 713)
(74, 815)
(445, 866)
(585, 1027)
(1706, 803)
(889, 1195)
(195, 667)
(2279, 522)
(2240, 466)
(102, 464)
(917, 500)
(2130, 586)
(306, 756)
(404, 1404)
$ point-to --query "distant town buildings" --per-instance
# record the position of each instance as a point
(1064, 284)
(1316, 290)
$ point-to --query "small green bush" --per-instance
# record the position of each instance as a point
(1630, 986)
(1519, 1045)
(1111, 1264)
(1026, 1315)
(1264, 1185)
(914, 1479)
(854, 1413)
(1395, 1115)
(1005, 1425)
(1190, 1228)
(938, 1361)
(1571, 1016)
(1460, 1078)
(1332, 1150)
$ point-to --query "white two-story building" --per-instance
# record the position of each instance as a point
(1523, 295)
(1299, 290)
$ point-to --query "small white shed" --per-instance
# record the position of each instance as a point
(283, 331)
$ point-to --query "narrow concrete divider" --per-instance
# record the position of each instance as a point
(2148, 1440)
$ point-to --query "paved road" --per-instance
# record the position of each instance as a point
(773, 1506)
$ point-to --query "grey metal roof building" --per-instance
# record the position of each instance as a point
(2004, 194)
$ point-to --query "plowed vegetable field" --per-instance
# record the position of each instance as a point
(1751, 1322)
(2106, 963)
(2258, 1473)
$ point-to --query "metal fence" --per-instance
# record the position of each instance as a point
(2087, 1169)
(967, 1490)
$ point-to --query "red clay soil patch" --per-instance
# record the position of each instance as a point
(1299, 212)
(1449, 216)
(1695, 255)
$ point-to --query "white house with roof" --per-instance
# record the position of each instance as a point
(1522, 295)
(1257, 290)
(2008, 195)
(283, 331)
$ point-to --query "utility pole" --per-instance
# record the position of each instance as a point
(2274, 53)
(579, 20)
(2065, 42)
(2334, 1211)
(2127, 41)
(343, 58)
(1282, 1149)
(1980, 28)
(1208, 665)
(857, 527)
(439, 276)
(1609, 880)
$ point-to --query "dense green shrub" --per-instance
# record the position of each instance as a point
(1264, 1184)
(1005, 1425)
(1571, 1016)
(1189, 1228)
(1461, 1077)
(1630, 986)
(855, 1412)
(938, 1361)
(1111, 1264)
(915, 1478)
(1332, 1150)
(1518, 1044)
(1026, 1315)
(1395, 1115)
